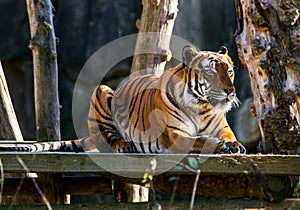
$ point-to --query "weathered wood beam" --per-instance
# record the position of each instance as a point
(260, 176)
(56, 162)
(9, 127)
(43, 45)
(219, 186)
(155, 30)
(71, 185)
(176, 205)
(150, 57)
(216, 186)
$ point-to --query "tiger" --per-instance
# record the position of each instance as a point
(181, 111)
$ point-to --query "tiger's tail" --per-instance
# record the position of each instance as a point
(78, 145)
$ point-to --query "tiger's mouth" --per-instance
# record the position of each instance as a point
(224, 102)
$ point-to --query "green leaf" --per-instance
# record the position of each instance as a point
(193, 162)
(1, 181)
(245, 172)
(145, 178)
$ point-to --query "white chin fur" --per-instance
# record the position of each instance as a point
(224, 107)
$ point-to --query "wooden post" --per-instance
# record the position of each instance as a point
(269, 46)
(43, 46)
(9, 127)
(158, 17)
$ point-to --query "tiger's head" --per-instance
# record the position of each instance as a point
(211, 77)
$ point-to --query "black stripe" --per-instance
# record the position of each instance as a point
(176, 128)
(207, 116)
(204, 112)
(157, 144)
(114, 139)
(189, 80)
(141, 143)
(149, 144)
(99, 102)
(137, 107)
(94, 106)
(171, 80)
(108, 125)
(140, 95)
(216, 128)
(198, 85)
(175, 115)
(190, 88)
(179, 118)
(119, 93)
(206, 126)
(172, 101)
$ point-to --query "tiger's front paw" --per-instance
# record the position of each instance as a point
(236, 147)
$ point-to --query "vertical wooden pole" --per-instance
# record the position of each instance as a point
(9, 127)
(157, 17)
(43, 46)
(9, 130)
(125, 192)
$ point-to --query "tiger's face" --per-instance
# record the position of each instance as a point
(211, 77)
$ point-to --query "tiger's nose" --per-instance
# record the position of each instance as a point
(228, 90)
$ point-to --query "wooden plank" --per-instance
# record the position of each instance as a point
(9, 127)
(84, 185)
(152, 49)
(204, 204)
(217, 186)
(43, 45)
(55, 162)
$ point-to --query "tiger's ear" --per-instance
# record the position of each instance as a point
(188, 53)
(223, 50)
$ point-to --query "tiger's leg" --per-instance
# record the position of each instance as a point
(227, 135)
(101, 125)
(204, 144)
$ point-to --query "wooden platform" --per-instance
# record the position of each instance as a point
(209, 204)
(56, 162)
(221, 176)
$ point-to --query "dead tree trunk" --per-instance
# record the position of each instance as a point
(157, 17)
(268, 43)
(43, 46)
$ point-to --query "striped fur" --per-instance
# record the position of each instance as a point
(182, 111)
(66, 146)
